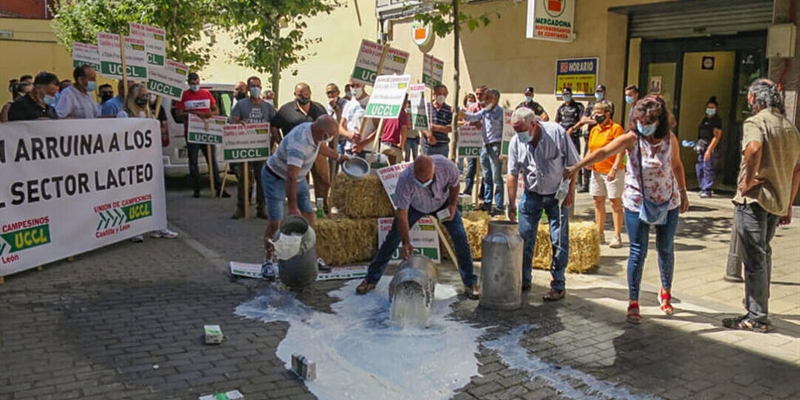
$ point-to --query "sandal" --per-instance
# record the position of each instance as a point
(664, 299)
(633, 314)
(365, 287)
(745, 323)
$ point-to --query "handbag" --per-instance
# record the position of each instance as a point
(651, 212)
(701, 145)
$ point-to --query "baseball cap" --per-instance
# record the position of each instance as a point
(566, 90)
(600, 88)
(529, 89)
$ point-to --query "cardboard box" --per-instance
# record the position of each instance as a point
(304, 367)
(213, 334)
(232, 395)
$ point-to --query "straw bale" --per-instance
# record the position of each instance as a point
(343, 240)
(361, 198)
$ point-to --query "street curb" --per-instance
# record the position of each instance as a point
(216, 260)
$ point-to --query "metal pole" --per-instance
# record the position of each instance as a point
(456, 87)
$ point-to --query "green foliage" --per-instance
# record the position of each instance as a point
(441, 18)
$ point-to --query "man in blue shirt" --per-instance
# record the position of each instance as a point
(438, 138)
(492, 118)
(113, 106)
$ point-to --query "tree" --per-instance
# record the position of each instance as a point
(440, 16)
(256, 25)
(184, 21)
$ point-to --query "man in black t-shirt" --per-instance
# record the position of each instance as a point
(37, 103)
(532, 105)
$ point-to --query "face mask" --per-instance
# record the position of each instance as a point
(629, 99)
(408, 111)
(255, 92)
(48, 100)
(194, 88)
(470, 103)
(600, 118)
(528, 99)
(423, 184)
(489, 107)
(524, 137)
(711, 111)
(646, 130)
(270, 102)
(91, 86)
(357, 91)
(598, 96)
(303, 100)
(240, 95)
(11, 89)
(440, 99)
(141, 102)
(567, 98)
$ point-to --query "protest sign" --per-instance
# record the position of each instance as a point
(470, 141)
(369, 59)
(85, 54)
(169, 81)
(245, 142)
(111, 57)
(419, 107)
(387, 98)
(96, 184)
(432, 71)
(208, 131)
(389, 175)
(508, 130)
(423, 237)
(154, 42)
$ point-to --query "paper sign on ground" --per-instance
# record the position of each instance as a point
(470, 141)
(508, 130)
(111, 57)
(389, 176)
(423, 236)
(340, 273)
(154, 41)
(419, 108)
(246, 270)
(369, 59)
(85, 54)
(245, 142)
(205, 131)
(169, 81)
(432, 71)
(387, 97)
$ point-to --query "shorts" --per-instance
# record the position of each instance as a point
(275, 194)
(599, 186)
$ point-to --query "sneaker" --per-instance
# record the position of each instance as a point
(196, 194)
(269, 270)
(163, 234)
(137, 239)
(745, 323)
(473, 292)
(554, 295)
(705, 195)
(322, 266)
(616, 243)
(365, 287)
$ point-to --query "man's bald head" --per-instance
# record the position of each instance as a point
(423, 168)
(323, 128)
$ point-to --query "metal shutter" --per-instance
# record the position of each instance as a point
(698, 18)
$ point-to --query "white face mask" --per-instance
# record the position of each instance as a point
(357, 91)
(269, 101)
(440, 99)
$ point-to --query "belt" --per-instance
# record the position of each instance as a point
(397, 146)
(268, 169)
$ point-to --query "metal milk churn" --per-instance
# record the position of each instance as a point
(501, 267)
(301, 269)
(414, 277)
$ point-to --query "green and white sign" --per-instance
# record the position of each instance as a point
(432, 71)
(387, 97)
(169, 81)
(419, 107)
(369, 59)
(154, 39)
(508, 130)
(111, 57)
(423, 237)
(206, 131)
(85, 54)
(470, 142)
(389, 176)
(245, 142)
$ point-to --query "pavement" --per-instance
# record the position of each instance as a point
(126, 321)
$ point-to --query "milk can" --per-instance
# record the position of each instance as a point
(417, 275)
(300, 270)
(501, 267)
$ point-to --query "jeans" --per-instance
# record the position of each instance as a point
(469, 179)
(639, 234)
(705, 172)
(412, 145)
(756, 228)
(194, 173)
(455, 227)
(275, 192)
(492, 175)
(255, 171)
(530, 212)
(442, 149)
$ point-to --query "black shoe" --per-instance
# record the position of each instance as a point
(485, 207)
(526, 286)
(473, 292)
(225, 195)
(497, 211)
(196, 194)
(731, 278)
(554, 295)
(745, 323)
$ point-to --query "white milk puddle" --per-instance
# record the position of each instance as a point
(361, 353)
(558, 378)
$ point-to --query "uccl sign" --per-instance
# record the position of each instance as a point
(552, 20)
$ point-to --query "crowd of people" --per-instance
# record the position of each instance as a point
(637, 167)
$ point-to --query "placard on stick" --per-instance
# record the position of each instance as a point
(419, 107)
(85, 54)
(369, 59)
(387, 96)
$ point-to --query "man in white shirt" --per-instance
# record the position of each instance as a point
(77, 101)
(352, 114)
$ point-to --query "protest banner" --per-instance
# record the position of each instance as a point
(169, 81)
(71, 186)
(369, 66)
(387, 97)
(578, 74)
(111, 57)
(470, 141)
(423, 235)
(389, 175)
(208, 131)
(153, 37)
(432, 71)
(419, 107)
(508, 130)
(245, 142)
(85, 54)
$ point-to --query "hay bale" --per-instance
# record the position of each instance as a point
(362, 198)
(343, 241)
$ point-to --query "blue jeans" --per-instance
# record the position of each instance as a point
(705, 172)
(638, 234)
(492, 175)
(275, 192)
(442, 149)
(192, 150)
(530, 212)
(456, 229)
(469, 179)
(412, 145)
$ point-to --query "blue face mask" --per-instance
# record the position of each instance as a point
(567, 98)
(91, 86)
(524, 137)
(711, 111)
(423, 184)
(629, 99)
(646, 130)
(48, 100)
(598, 95)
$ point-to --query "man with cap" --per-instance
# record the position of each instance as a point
(568, 115)
(429, 187)
(589, 122)
(631, 97)
(532, 105)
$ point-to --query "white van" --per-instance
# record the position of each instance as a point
(176, 161)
